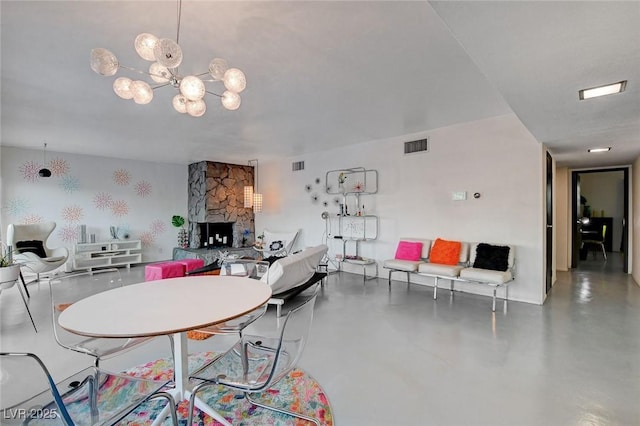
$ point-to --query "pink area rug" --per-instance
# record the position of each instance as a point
(297, 392)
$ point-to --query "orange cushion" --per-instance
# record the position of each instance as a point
(445, 252)
(198, 335)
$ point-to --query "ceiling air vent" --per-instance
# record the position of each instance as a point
(421, 145)
(297, 166)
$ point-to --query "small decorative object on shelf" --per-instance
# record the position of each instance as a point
(113, 231)
(183, 236)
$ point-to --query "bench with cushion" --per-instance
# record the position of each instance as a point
(483, 263)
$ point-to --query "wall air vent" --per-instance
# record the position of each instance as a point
(421, 145)
(297, 166)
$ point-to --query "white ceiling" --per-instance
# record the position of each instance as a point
(324, 74)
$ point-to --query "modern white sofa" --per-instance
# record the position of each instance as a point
(293, 274)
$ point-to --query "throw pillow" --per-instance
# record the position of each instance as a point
(33, 246)
(495, 258)
(445, 252)
(276, 245)
(409, 250)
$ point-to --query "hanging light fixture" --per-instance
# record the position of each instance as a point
(44, 172)
(251, 196)
(166, 56)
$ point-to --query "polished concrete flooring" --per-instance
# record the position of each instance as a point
(401, 358)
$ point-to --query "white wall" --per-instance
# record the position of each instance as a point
(635, 223)
(83, 190)
(562, 221)
(496, 157)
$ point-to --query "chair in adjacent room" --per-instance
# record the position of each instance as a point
(65, 290)
(29, 245)
(597, 242)
(91, 396)
(257, 362)
(277, 243)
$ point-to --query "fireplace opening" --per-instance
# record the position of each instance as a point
(216, 234)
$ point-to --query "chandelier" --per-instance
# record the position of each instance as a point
(166, 56)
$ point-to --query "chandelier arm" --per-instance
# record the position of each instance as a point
(134, 70)
(161, 85)
(214, 94)
(179, 16)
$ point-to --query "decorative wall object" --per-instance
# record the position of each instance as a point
(122, 177)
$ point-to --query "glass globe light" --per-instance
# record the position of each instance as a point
(122, 87)
(230, 100)
(217, 68)
(196, 108)
(235, 80)
(145, 44)
(192, 88)
(159, 73)
(168, 53)
(103, 61)
(180, 103)
(142, 92)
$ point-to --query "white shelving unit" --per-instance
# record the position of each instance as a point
(353, 225)
(107, 254)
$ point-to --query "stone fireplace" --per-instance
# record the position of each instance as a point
(216, 197)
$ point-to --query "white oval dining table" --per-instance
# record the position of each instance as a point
(167, 307)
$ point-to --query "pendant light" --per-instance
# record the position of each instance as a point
(44, 172)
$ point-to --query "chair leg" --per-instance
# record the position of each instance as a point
(26, 305)
(604, 252)
(24, 284)
(493, 308)
(281, 410)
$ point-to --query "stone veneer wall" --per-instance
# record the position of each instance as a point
(216, 194)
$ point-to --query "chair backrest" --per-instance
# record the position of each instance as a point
(604, 232)
(29, 232)
(293, 270)
(293, 338)
(65, 290)
(21, 373)
(275, 242)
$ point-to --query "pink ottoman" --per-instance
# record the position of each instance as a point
(162, 270)
(190, 264)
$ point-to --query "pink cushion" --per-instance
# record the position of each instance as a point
(190, 264)
(409, 250)
(162, 270)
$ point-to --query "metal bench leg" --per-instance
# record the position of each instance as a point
(408, 282)
(390, 271)
(494, 299)
(451, 288)
(435, 288)
(506, 297)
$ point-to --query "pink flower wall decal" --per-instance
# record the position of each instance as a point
(119, 208)
(158, 227)
(32, 218)
(143, 188)
(29, 171)
(59, 167)
(102, 201)
(147, 238)
(72, 213)
(68, 233)
(122, 177)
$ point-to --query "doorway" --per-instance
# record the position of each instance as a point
(601, 198)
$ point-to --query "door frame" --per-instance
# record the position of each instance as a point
(575, 202)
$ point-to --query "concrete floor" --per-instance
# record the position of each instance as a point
(401, 358)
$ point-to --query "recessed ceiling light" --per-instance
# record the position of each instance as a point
(608, 89)
(599, 149)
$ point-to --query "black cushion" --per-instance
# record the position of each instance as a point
(495, 258)
(33, 246)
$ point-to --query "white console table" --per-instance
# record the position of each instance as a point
(107, 254)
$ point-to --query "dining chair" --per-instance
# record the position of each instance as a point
(29, 245)
(250, 268)
(257, 362)
(6, 285)
(599, 241)
(89, 397)
(65, 290)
